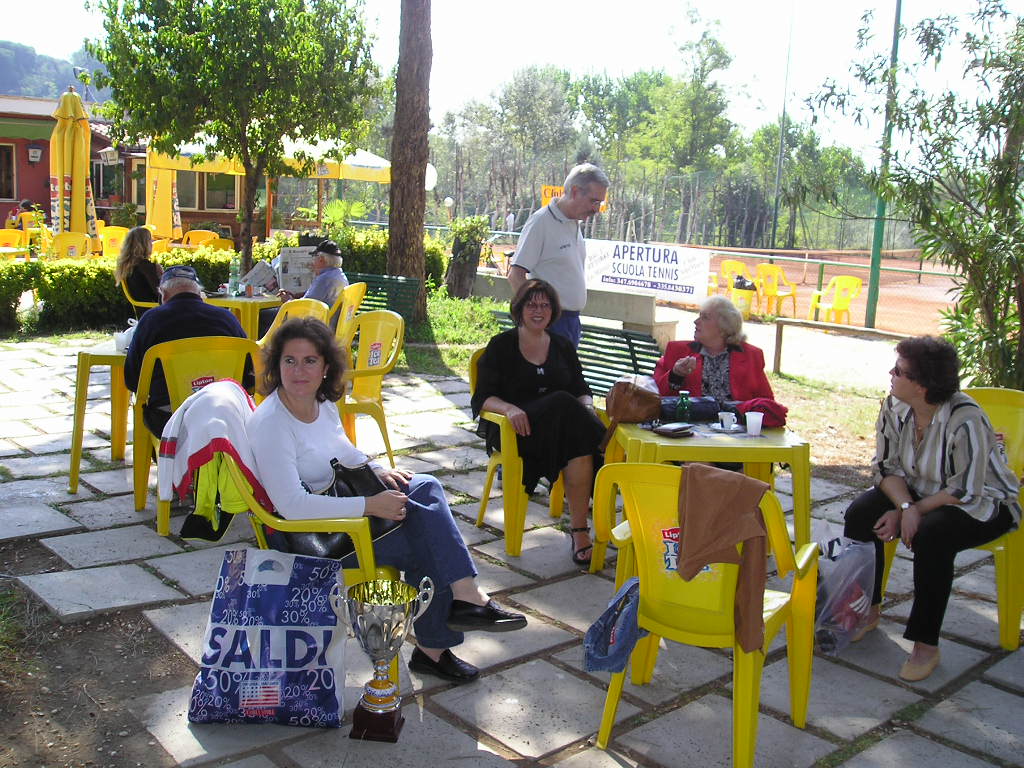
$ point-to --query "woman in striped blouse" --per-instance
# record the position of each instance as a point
(942, 486)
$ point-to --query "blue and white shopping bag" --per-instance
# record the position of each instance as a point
(273, 652)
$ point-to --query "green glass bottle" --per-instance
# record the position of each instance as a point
(683, 406)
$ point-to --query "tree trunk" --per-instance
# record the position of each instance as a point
(409, 147)
(462, 268)
(245, 230)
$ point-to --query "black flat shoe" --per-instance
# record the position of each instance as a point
(466, 617)
(449, 667)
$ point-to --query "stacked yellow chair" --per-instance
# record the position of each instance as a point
(12, 238)
(377, 338)
(744, 299)
(514, 498)
(220, 244)
(1005, 409)
(188, 365)
(770, 279)
(700, 612)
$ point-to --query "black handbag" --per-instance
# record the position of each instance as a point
(348, 482)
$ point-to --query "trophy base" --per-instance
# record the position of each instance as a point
(376, 726)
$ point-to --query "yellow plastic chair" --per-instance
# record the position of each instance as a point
(700, 612)
(112, 238)
(136, 303)
(163, 245)
(72, 245)
(199, 236)
(843, 289)
(712, 283)
(344, 311)
(294, 308)
(97, 242)
(768, 281)
(378, 338)
(744, 299)
(220, 244)
(1005, 409)
(12, 238)
(27, 220)
(730, 268)
(151, 228)
(188, 365)
(514, 498)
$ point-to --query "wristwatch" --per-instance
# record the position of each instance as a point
(906, 505)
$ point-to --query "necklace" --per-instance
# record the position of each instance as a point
(311, 413)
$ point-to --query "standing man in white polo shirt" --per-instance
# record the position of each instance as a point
(551, 246)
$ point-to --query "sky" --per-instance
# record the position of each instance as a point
(479, 44)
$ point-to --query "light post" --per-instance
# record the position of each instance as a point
(448, 204)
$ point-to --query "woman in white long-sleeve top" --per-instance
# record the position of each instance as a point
(296, 432)
(942, 486)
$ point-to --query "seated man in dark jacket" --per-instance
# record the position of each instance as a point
(182, 314)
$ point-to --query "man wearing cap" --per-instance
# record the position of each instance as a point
(330, 281)
(551, 246)
(182, 314)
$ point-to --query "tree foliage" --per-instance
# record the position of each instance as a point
(240, 76)
(956, 172)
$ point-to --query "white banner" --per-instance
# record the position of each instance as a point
(670, 272)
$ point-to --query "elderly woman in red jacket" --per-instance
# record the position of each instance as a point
(718, 362)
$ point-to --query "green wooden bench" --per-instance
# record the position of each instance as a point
(607, 354)
(398, 294)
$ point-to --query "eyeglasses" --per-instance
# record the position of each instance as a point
(900, 372)
(536, 305)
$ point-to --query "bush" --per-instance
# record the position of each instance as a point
(80, 294)
(366, 250)
(212, 267)
(15, 279)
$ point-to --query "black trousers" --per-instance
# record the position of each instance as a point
(942, 533)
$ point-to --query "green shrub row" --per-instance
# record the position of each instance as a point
(80, 293)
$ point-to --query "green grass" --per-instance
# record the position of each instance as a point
(11, 630)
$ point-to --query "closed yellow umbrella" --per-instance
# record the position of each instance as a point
(71, 204)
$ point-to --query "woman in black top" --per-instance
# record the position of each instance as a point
(134, 268)
(535, 379)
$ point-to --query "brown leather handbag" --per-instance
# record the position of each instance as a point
(628, 403)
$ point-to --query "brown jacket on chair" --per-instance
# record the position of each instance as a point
(718, 509)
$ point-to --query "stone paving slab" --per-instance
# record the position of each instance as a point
(1009, 672)
(679, 669)
(909, 749)
(980, 717)
(981, 582)
(495, 578)
(165, 716)
(45, 490)
(821, 489)
(972, 620)
(576, 602)
(471, 484)
(456, 459)
(883, 652)
(83, 550)
(36, 466)
(842, 701)
(33, 519)
(415, 465)
(41, 444)
(447, 386)
(596, 758)
(439, 431)
(535, 709)
(545, 553)
(23, 411)
(701, 732)
(537, 514)
(110, 512)
(425, 740)
(194, 572)
(183, 626)
(467, 527)
(17, 428)
(10, 448)
(256, 761)
(116, 480)
(78, 595)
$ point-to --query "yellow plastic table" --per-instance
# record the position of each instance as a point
(13, 252)
(635, 444)
(102, 354)
(246, 309)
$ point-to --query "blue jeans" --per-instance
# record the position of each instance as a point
(429, 544)
(568, 325)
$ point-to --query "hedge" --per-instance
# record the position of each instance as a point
(80, 293)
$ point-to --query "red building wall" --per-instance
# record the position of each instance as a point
(31, 180)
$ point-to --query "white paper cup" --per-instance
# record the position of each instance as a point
(754, 419)
(726, 419)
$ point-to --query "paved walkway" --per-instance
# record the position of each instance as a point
(533, 704)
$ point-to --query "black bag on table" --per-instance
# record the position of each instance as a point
(348, 482)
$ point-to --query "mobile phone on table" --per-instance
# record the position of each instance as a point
(674, 429)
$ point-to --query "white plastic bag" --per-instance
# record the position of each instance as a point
(123, 338)
(846, 581)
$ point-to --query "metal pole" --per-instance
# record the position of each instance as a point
(782, 132)
(876, 241)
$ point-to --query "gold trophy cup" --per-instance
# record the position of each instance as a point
(380, 614)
